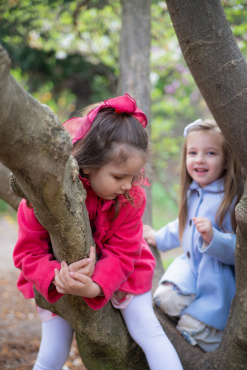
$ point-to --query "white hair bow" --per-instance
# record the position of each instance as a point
(188, 127)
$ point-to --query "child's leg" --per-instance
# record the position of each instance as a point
(146, 330)
(170, 300)
(196, 332)
(55, 345)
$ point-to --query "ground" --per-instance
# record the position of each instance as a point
(20, 326)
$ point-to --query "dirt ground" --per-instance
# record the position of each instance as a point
(20, 327)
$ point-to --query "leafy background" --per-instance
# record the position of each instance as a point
(65, 53)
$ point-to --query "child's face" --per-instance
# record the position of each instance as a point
(112, 179)
(205, 158)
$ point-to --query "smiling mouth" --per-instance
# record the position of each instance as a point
(200, 170)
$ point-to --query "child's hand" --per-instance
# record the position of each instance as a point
(75, 283)
(205, 228)
(148, 234)
(86, 265)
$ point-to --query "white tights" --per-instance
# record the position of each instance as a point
(57, 335)
(143, 327)
(146, 331)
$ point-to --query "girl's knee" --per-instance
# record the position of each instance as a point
(163, 289)
(140, 318)
(170, 299)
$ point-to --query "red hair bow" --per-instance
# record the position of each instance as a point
(78, 127)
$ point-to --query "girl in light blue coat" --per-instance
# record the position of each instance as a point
(198, 287)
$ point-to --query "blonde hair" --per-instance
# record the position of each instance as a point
(233, 180)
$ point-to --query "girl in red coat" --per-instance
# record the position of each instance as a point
(111, 148)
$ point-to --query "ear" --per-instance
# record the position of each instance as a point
(86, 171)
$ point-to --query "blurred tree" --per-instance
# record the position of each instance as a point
(134, 65)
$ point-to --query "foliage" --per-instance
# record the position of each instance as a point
(166, 262)
(165, 206)
(65, 53)
(60, 52)
(3, 206)
(7, 209)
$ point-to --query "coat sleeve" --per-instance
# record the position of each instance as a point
(33, 255)
(119, 253)
(222, 247)
(168, 236)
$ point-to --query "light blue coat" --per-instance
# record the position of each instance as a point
(207, 273)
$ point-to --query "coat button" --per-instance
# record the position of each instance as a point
(190, 222)
(188, 254)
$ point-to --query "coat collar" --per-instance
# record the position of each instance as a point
(214, 187)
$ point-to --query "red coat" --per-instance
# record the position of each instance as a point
(125, 261)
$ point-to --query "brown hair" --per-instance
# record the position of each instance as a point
(233, 180)
(111, 138)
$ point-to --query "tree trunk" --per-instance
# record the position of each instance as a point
(47, 174)
(220, 71)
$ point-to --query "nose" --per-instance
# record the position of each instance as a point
(126, 186)
(200, 158)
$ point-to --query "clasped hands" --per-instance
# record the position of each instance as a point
(76, 279)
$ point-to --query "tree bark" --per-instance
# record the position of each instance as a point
(6, 192)
(220, 71)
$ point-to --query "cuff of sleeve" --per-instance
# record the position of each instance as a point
(53, 295)
(158, 242)
(100, 301)
(97, 302)
(203, 245)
